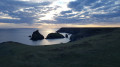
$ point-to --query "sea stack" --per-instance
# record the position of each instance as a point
(37, 36)
(54, 36)
(66, 35)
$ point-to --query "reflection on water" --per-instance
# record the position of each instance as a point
(21, 35)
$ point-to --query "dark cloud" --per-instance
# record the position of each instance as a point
(64, 12)
(108, 15)
(79, 4)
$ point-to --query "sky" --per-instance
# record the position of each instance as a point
(59, 13)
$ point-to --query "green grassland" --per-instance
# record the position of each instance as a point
(102, 50)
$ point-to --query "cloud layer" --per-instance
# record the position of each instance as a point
(60, 11)
(94, 11)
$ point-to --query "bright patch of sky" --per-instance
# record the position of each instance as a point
(40, 1)
(61, 6)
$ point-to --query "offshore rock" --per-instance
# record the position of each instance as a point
(54, 36)
(66, 35)
(36, 36)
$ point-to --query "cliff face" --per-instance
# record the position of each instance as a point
(78, 33)
(69, 30)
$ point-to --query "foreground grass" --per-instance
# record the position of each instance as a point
(96, 51)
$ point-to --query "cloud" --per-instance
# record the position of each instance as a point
(32, 11)
(64, 12)
(19, 9)
(79, 4)
(92, 11)
(6, 16)
(60, 11)
(10, 5)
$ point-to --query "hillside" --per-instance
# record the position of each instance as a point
(101, 50)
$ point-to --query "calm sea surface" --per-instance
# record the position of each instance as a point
(21, 35)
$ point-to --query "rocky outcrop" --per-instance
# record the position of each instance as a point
(29, 36)
(79, 33)
(54, 36)
(69, 30)
(36, 36)
(66, 35)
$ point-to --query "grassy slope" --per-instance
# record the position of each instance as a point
(95, 51)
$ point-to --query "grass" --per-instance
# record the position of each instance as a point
(101, 50)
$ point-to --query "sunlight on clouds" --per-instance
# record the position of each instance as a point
(36, 1)
(48, 12)
(61, 6)
(49, 16)
(6, 16)
(1, 17)
(39, 1)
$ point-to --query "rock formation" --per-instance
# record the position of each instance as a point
(54, 36)
(66, 35)
(36, 36)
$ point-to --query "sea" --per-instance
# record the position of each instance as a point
(21, 35)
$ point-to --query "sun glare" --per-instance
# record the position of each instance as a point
(48, 16)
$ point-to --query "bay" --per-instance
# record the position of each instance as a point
(21, 35)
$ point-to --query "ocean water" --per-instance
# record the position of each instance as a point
(21, 35)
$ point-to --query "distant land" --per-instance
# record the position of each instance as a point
(89, 47)
(78, 33)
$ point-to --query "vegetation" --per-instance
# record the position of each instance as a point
(101, 50)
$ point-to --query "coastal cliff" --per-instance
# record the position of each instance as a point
(78, 33)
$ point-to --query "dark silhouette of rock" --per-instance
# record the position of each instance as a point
(66, 35)
(79, 33)
(37, 36)
(29, 36)
(54, 36)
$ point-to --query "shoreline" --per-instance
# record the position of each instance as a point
(74, 29)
